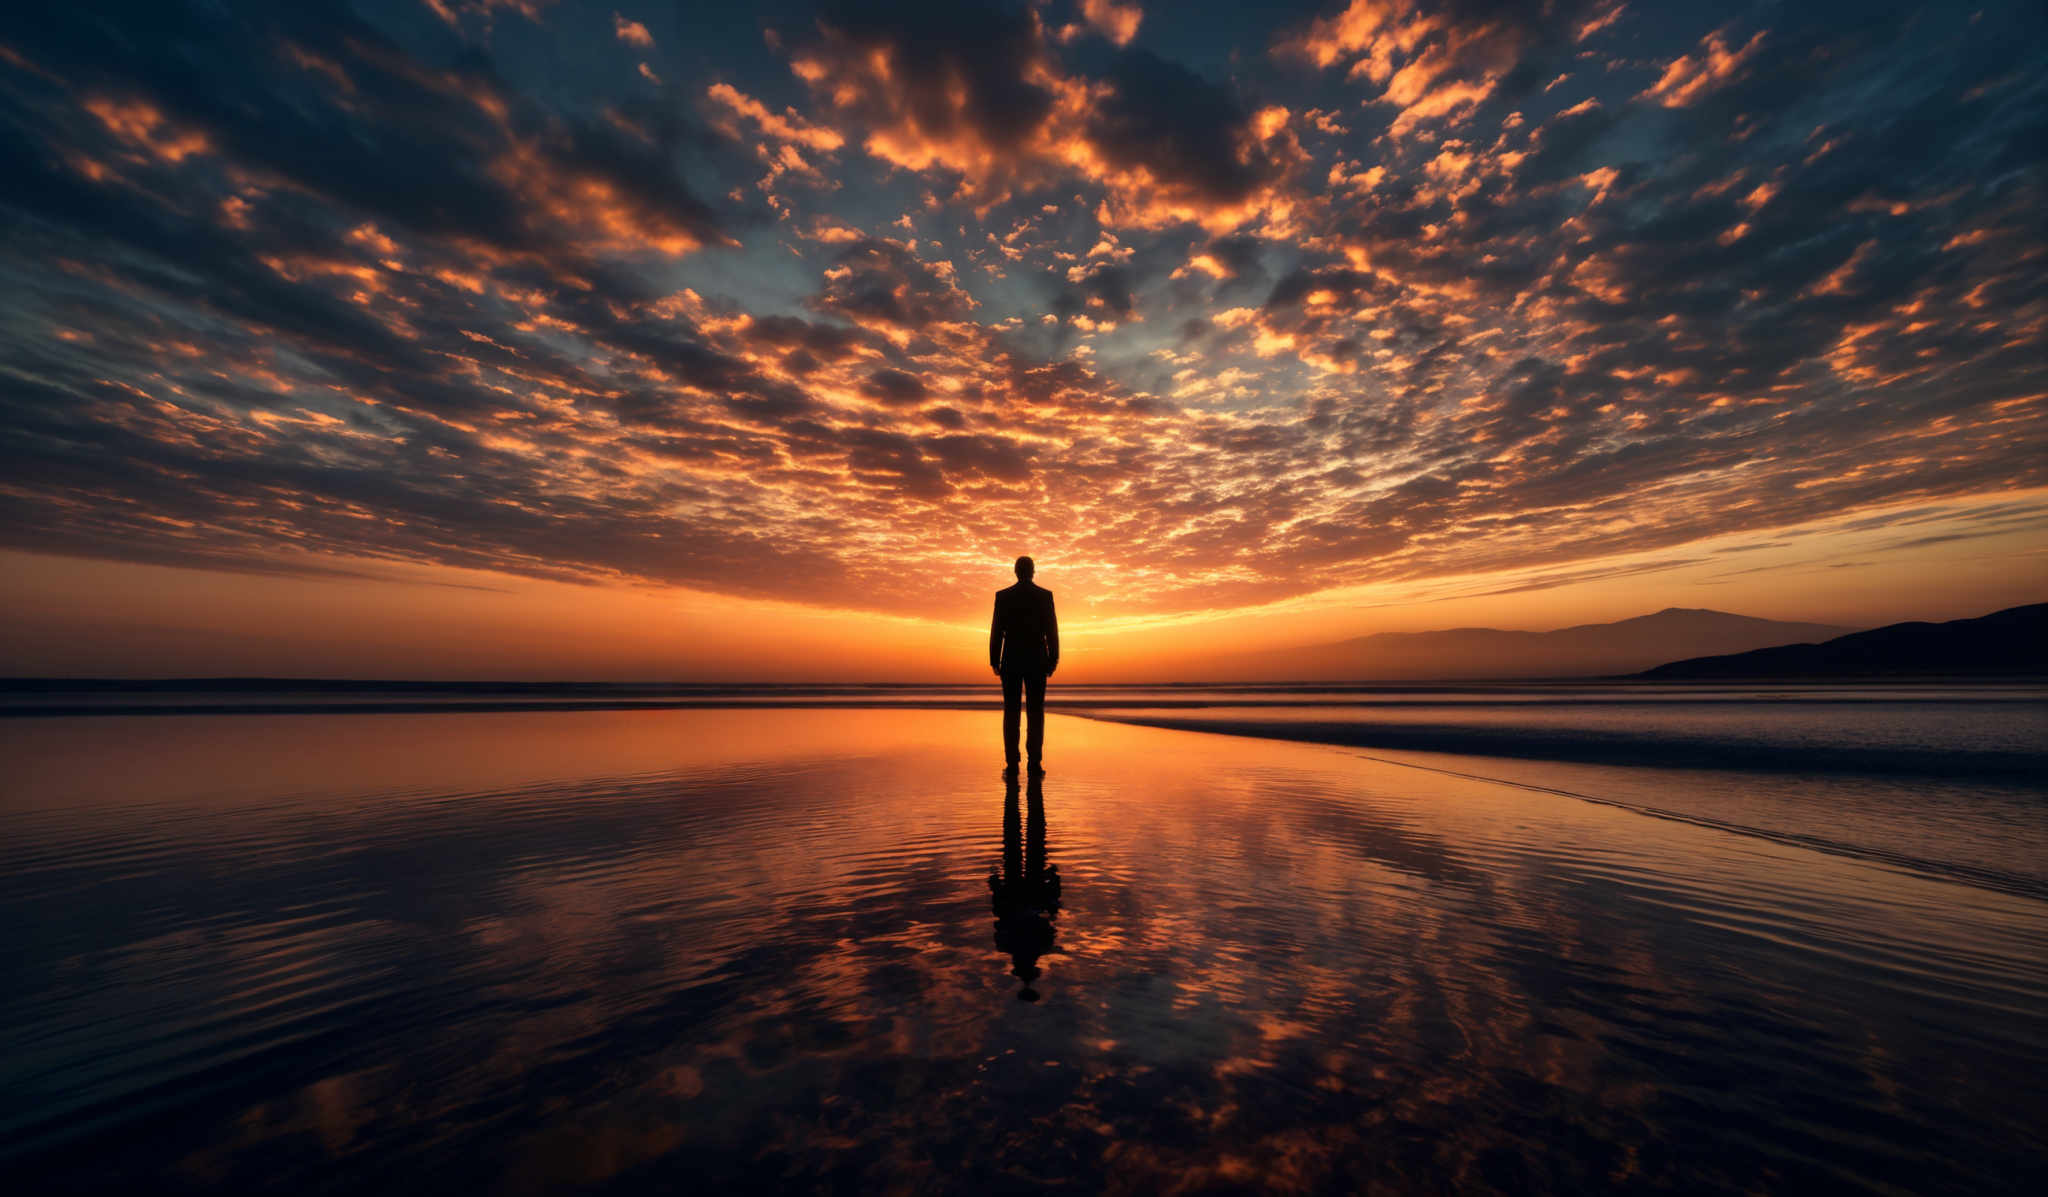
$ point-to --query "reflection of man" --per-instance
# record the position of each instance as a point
(1024, 649)
(1025, 894)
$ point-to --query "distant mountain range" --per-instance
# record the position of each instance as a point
(1471, 654)
(2009, 642)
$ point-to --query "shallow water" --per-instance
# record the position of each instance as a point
(1947, 780)
(637, 949)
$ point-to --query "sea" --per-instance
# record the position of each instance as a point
(410, 937)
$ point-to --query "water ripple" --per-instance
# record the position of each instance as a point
(634, 950)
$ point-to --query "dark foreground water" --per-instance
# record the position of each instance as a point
(702, 949)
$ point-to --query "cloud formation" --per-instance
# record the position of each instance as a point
(1395, 290)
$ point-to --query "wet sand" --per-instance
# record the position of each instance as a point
(623, 950)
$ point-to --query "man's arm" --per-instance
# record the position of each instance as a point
(1052, 637)
(995, 637)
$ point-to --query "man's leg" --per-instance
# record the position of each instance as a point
(1034, 688)
(1013, 697)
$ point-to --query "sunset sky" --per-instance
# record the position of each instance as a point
(507, 338)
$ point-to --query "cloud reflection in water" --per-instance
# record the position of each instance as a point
(755, 947)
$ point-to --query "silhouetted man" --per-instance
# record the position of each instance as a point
(1024, 649)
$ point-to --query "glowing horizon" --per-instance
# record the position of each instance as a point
(76, 617)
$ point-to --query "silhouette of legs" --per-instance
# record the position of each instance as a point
(1024, 693)
(1034, 717)
(1013, 705)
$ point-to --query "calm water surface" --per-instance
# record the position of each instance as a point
(629, 950)
(1945, 779)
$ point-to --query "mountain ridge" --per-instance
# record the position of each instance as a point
(2012, 642)
(1500, 654)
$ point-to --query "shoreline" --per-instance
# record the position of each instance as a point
(1577, 746)
(42, 698)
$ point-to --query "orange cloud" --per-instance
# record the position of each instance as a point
(596, 210)
(1427, 63)
(988, 102)
(633, 33)
(1693, 75)
(786, 125)
(1356, 30)
(1117, 22)
(141, 124)
(452, 11)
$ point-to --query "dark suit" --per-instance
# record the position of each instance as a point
(1024, 646)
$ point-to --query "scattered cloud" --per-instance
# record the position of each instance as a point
(633, 33)
(1398, 291)
(1117, 22)
(1692, 75)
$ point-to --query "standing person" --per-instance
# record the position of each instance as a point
(1024, 649)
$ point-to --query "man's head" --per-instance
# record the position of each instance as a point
(1025, 569)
